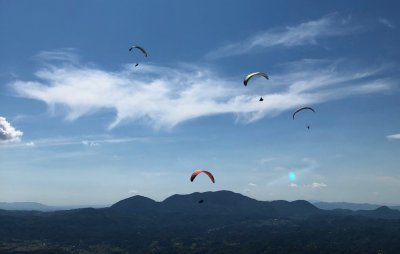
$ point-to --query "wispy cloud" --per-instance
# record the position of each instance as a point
(30, 144)
(89, 141)
(393, 136)
(264, 161)
(252, 184)
(306, 33)
(386, 23)
(166, 96)
(8, 133)
(61, 55)
(316, 185)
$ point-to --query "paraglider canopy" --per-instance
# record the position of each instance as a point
(196, 172)
(139, 48)
(251, 75)
(301, 109)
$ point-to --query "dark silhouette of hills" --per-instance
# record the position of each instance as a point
(220, 203)
(136, 204)
(226, 222)
(382, 212)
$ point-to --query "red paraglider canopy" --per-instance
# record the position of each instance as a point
(196, 172)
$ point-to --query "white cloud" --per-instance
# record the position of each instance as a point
(264, 161)
(30, 144)
(132, 191)
(393, 136)
(252, 184)
(293, 185)
(62, 55)
(316, 185)
(386, 23)
(306, 33)
(164, 96)
(8, 133)
(90, 143)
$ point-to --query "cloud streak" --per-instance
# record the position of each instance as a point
(163, 96)
(393, 136)
(386, 23)
(316, 185)
(87, 141)
(306, 33)
(8, 133)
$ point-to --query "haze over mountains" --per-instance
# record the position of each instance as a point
(34, 206)
(349, 206)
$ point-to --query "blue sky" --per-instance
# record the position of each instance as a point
(79, 124)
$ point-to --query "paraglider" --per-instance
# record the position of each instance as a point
(251, 75)
(139, 48)
(196, 172)
(301, 109)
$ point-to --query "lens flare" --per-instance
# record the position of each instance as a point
(292, 176)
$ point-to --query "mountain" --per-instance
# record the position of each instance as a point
(349, 206)
(136, 204)
(224, 222)
(34, 206)
(27, 206)
(382, 212)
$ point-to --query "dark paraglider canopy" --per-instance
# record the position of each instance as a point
(301, 109)
(139, 48)
(196, 172)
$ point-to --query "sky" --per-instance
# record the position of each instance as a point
(81, 125)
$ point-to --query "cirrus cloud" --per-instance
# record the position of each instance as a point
(166, 96)
(305, 33)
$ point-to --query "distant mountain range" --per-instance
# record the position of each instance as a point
(220, 203)
(349, 206)
(34, 206)
(223, 221)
